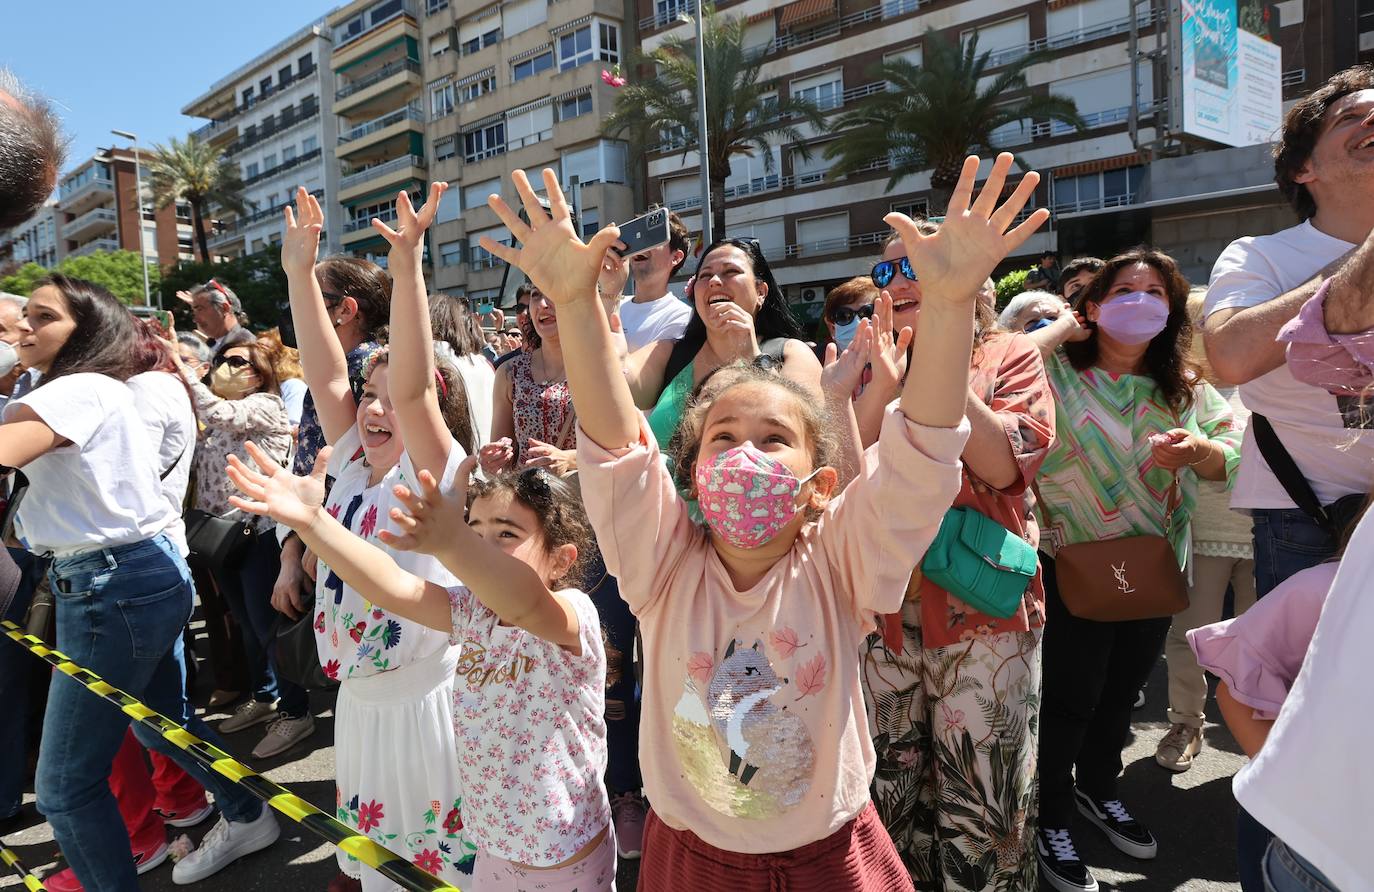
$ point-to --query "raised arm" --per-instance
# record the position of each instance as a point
(321, 354)
(566, 269)
(954, 262)
(411, 382)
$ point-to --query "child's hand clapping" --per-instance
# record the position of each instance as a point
(429, 517)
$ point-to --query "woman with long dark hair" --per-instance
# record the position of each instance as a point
(1133, 420)
(123, 592)
(738, 313)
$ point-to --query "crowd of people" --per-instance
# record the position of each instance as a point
(660, 578)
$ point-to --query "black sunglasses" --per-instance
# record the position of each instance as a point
(846, 315)
(884, 270)
(238, 362)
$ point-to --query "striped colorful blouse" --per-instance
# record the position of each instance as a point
(1100, 480)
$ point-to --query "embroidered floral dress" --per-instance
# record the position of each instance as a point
(952, 697)
(394, 748)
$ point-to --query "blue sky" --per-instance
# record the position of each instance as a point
(133, 65)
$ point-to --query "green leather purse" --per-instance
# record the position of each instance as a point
(980, 562)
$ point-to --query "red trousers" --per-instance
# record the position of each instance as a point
(167, 788)
(859, 857)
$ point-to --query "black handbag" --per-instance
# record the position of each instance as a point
(298, 658)
(214, 541)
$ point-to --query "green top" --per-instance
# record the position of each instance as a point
(667, 412)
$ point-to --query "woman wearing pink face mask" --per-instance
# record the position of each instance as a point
(1131, 416)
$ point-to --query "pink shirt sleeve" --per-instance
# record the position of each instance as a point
(878, 529)
(1339, 364)
(1258, 654)
(642, 525)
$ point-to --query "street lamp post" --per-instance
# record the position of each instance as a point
(701, 133)
(138, 199)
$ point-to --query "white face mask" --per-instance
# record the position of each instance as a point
(9, 358)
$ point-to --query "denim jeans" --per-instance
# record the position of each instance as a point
(16, 670)
(1287, 871)
(1286, 541)
(622, 723)
(248, 590)
(120, 612)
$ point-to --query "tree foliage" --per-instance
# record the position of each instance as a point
(1010, 285)
(116, 270)
(746, 113)
(934, 115)
(191, 171)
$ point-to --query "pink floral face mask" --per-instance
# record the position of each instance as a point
(747, 497)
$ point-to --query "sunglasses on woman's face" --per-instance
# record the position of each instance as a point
(884, 270)
(237, 362)
(1037, 324)
(846, 315)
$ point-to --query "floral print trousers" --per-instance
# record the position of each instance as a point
(955, 729)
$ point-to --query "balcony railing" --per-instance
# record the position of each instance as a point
(69, 191)
(771, 183)
(376, 77)
(835, 245)
(1095, 203)
(236, 227)
(281, 123)
(412, 112)
(1093, 120)
(283, 167)
(94, 245)
(200, 134)
(99, 215)
(1071, 38)
(343, 38)
(376, 170)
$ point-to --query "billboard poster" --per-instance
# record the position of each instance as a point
(1231, 84)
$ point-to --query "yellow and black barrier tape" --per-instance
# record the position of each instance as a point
(380, 859)
(11, 860)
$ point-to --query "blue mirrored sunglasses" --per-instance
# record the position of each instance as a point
(884, 270)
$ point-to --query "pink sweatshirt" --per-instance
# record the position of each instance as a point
(753, 732)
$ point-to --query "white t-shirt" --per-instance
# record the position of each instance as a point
(664, 319)
(1335, 459)
(102, 490)
(170, 423)
(528, 716)
(293, 392)
(479, 380)
(1311, 783)
(354, 637)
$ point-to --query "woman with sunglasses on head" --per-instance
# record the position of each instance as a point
(122, 590)
(738, 313)
(952, 692)
(1137, 430)
(243, 402)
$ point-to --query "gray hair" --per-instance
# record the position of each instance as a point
(32, 150)
(17, 299)
(201, 348)
(1023, 300)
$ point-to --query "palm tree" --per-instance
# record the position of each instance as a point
(191, 171)
(932, 116)
(745, 113)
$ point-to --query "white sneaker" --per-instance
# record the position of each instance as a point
(283, 734)
(247, 715)
(224, 844)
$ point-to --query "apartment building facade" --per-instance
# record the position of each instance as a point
(98, 210)
(35, 240)
(379, 148)
(1104, 190)
(273, 116)
(517, 85)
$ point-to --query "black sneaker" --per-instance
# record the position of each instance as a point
(1124, 831)
(1059, 862)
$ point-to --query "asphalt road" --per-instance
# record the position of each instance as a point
(1192, 814)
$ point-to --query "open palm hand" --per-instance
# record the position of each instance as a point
(301, 243)
(277, 493)
(975, 236)
(563, 267)
(409, 235)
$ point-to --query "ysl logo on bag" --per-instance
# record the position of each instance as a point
(1121, 584)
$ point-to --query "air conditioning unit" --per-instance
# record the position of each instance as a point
(812, 294)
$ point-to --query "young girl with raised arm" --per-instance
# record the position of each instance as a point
(757, 754)
(394, 740)
(530, 695)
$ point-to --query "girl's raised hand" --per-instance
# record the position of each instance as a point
(974, 237)
(301, 244)
(277, 493)
(888, 353)
(409, 234)
(429, 517)
(561, 265)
